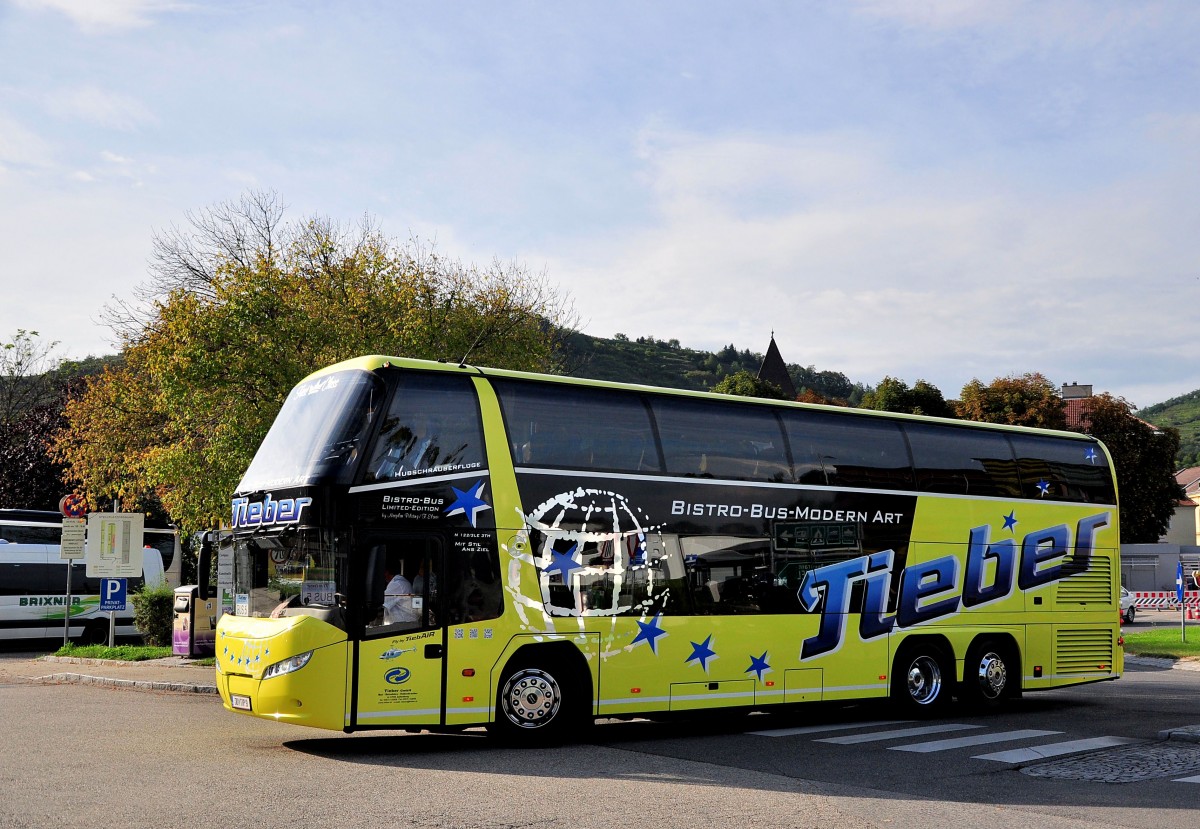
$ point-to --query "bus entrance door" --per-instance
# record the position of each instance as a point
(401, 656)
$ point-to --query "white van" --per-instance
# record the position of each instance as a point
(33, 600)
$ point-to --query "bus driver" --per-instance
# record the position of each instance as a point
(398, 607)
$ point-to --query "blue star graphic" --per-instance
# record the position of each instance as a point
(1090, 455)
(1010, 520)
(650, 633)
(469, 501)
(564, 563)
(1043, 488)
(758, 664)
(701, 652)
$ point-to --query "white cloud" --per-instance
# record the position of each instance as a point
(861, 268)
(106, 15)
(20, 146)
(101, 107)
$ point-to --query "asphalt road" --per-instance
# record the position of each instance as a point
(94, 756)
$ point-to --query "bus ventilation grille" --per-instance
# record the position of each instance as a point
(1082, 651)
(1090, 581)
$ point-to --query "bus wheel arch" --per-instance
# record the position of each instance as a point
(923, 675)
(544, 692)
(991, 671)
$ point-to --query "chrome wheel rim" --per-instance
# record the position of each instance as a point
(993, 675)
(531, 698)
(924, 680)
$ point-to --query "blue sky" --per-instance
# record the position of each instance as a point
(942, 189)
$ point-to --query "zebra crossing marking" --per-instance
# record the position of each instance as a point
(817, 729)
(1018, 755)
(1023, 755)
(973, 740)
(854, 739)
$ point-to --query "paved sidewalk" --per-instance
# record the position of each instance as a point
(170, 674)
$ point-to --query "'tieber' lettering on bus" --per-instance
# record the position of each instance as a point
(267, 511)
(1039, 562)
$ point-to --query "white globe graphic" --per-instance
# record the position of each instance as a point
(590, 548)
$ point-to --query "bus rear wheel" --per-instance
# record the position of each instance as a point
(533, 706)
(921, 682)
(988, 677)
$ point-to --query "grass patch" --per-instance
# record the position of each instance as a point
(1164, 641)
(123, 653)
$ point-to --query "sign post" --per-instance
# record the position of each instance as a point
(1179, 598)
(74, 530)
(113, 593)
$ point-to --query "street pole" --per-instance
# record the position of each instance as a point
(67, 612)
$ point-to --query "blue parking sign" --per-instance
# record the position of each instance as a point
(112, 594)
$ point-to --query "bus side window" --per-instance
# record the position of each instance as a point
(433, 423)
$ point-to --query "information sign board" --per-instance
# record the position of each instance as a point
(114, 545)
(74, 531)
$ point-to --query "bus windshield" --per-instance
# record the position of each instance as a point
(275, 572)
(318, 433)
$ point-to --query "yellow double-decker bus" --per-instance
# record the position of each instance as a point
(423, 545)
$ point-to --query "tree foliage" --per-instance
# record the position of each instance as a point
(1143, 457)
(1028, 400)
(656, 362)
(31, 392)
(894, 395)
(29, 477)
(244, 305)
(27, 374)
(748, 384)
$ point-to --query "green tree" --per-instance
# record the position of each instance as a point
(243, 306)
(1028, 400)
(1143, 457)
(748, 384)
(894, 395)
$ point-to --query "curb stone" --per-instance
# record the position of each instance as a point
(138, 684)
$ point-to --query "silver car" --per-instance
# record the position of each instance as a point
(1128, 611)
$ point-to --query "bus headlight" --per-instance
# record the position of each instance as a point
(292, 663)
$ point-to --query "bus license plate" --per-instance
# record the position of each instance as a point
(240, 702)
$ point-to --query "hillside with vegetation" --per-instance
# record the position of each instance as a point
(1182, 413)
(667, 363)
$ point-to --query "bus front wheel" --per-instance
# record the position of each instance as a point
(533, 705)
(921, 682)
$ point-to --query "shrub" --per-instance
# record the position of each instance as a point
(154, 613)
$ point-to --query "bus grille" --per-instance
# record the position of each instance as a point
(1091, 581)
(1079, 651)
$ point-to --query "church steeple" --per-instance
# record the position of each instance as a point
(774, 370)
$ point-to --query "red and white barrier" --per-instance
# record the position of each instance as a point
(1165, 600)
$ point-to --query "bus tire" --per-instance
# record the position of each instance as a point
(989, 674)
(922, 679)
(536, 705)
(94, 633)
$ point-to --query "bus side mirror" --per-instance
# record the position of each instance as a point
(204, 565)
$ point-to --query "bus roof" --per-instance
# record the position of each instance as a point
(377, 361)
